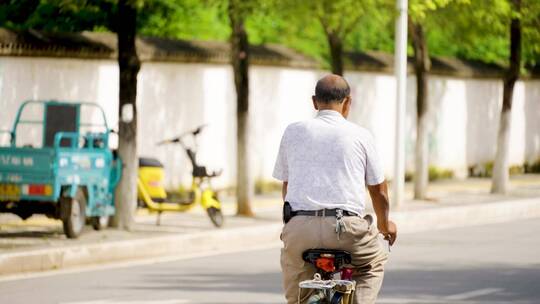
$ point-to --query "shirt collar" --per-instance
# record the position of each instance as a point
(329, 113)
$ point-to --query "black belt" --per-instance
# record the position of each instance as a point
(322, 212)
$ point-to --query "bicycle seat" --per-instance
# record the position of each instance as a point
(327, 260)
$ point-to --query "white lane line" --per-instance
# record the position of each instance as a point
(429, 300)
(108, 301)
(473, 294)
(133, 263)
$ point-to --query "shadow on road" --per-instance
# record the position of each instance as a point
(495, 284)
(491, 284)
(31, 234)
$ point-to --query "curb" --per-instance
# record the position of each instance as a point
(117, 251)
(466, 215)
(206, 242)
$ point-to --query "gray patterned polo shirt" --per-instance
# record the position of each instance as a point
(327, 162)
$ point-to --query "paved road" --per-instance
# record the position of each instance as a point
(476, 265)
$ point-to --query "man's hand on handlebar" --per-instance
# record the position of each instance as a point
(389, 232)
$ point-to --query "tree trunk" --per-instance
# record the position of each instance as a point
(239, 60)
(500, 179)
(129, 65)
(422, 65)
(336, 52)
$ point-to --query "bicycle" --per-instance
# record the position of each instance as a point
(329, 290)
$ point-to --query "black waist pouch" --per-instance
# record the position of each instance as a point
(287, 212)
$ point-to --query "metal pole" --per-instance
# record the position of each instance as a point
(401, 94)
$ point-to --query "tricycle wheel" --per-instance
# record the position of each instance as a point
(24, 215)
(216, 216)
(73, 214)
(99, 222)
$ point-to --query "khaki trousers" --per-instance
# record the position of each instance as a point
(358, 237)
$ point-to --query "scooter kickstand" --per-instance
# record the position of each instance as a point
(158, 219)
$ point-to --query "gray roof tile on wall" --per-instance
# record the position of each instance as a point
(102, 45)
(444, 66)
(92, 45)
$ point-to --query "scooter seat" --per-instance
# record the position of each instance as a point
(149, 162)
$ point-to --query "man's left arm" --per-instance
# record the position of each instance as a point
(381, 205)
(378, 191)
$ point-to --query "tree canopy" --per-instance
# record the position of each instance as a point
(460, 28)
(58, 15)
(479, 30)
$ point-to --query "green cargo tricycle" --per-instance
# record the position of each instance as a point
(58, 163)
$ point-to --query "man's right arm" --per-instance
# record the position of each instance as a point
(381, 205)
(281, 168)
(284, 190)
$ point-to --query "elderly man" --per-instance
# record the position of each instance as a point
(326, 163)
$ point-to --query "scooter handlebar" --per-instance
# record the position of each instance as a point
(169, 141)
(198, 129)
(178, 139)
(215, 173)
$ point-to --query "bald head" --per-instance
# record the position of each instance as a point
(332, 89)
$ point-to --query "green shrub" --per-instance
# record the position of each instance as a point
(489, 168)
(436, 173)
(481, 170)
(265, 186)
(516, 170)
(409, 176)
(486, 169)
(532, 167)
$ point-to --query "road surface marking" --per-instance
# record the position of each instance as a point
(108, 301)
(473, 294)
(455, 298)
(426, 300)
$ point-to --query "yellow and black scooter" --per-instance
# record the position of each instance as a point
(152, 194)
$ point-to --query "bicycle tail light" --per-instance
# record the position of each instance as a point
(326, 263)
(346, 274)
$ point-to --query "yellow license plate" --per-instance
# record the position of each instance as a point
(10, 191)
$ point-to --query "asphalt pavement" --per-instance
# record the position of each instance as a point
(497, 263)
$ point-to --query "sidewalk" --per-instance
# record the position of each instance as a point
(38, 243)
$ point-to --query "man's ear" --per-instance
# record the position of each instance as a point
(314, 103)
(346, 106)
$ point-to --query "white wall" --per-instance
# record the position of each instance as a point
(40, 78)
(175, 97)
